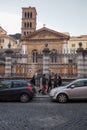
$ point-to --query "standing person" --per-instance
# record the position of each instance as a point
(43, 84)
(59, 80)
(33, 80)
(55, 80)
(49, 84)
(40, 89)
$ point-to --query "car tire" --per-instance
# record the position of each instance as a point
(24, 98)
(62, 98)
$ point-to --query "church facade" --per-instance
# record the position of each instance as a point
(33, 43)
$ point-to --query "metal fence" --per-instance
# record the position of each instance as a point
(20, 63)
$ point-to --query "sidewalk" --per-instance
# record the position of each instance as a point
(42, 96)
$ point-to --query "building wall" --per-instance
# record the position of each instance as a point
(5, 40)
(36, 42)
(73, 43)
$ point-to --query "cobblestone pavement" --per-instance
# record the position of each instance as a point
(42, 114)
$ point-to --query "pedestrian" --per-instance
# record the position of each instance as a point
(49, 84)
(40, 88)
(59, 80)
(43, 84)
(33, 80)
(55, 80)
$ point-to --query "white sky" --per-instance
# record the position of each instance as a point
(59, 15)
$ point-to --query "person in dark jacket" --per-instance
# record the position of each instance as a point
(49, 84)
(33, 80)
(43, 84)
(59, 80)
(55, 80)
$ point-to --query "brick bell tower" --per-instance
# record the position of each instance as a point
(28, 20)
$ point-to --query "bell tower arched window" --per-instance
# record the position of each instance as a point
(31, 15)
(24, 25)
(30, 25)
(25, 14)
(28, 14)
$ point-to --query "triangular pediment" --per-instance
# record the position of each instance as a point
(46, 33)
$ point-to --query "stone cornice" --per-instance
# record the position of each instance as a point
(55, 39)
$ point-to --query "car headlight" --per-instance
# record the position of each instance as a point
(55, 93)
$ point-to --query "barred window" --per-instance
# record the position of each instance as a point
(34, 52)
(54, 56)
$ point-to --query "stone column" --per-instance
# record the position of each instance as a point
(8, 60)
(46, 52)
(81, 61)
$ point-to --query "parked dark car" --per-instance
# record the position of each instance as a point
(17, 90)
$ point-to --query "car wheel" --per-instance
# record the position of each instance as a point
(24, 98)
(62, 98)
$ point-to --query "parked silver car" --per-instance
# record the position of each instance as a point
(76, 89)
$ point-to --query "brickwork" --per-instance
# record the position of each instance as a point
(28, 20)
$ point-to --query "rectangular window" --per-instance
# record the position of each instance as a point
(1, 40)
(73, 45)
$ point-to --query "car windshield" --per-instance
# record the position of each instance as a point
(77, 83)
(69, 83)
(66, 83)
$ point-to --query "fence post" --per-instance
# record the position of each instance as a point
(46, 52)
(81, 61)
(8, 63)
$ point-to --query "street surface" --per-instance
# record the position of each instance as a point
(42, 114)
